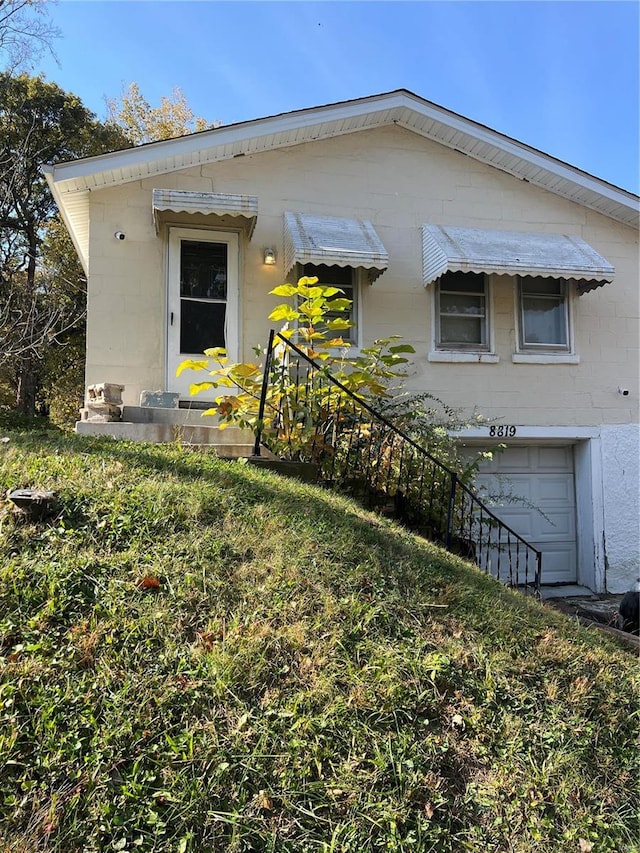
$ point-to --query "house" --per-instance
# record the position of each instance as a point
(513, 274)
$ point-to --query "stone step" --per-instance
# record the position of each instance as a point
(148, 414)
(231, 442)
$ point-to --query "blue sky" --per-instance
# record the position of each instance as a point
(560, 76)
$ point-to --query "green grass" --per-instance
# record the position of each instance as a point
(305, 676)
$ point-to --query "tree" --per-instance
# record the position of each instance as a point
(141, 122)
(25, 31)
(39, 123)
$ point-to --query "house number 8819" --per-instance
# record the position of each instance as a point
(502, 431)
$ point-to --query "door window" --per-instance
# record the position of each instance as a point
(203, 295)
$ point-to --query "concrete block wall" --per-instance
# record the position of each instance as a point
(399, 181)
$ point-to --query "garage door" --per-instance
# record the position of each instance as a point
(534, 493)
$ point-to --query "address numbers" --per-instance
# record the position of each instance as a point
(502, 431)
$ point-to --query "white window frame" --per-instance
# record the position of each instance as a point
(531, 353)
(354, 332)
(454, 352)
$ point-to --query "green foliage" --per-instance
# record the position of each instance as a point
(294, 404)
(296, 680)
(307, 417)
(63, 282)
(142, 123)
(41, 299)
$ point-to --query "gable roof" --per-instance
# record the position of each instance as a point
(71, 182)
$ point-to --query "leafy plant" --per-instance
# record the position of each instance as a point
(312, 401)
(297, 410)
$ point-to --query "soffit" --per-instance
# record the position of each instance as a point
(334, 241)
(449, 249)
(401, 108)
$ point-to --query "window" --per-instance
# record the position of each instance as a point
(462, 312)
(543, 315)
(346, 279)
(203, 295)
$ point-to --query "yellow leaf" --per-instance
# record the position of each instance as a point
(197, 387)
(311, 309)
(339, 304)
(283, 312)
(192, 364)
(244, 370)
(310, 292)
(337, 324)
(215, 352)
(284, 290)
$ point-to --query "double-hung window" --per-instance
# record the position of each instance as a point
(543, 305)
(462, 320)
(346, 279)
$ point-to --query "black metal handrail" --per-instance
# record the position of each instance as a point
(310, 414)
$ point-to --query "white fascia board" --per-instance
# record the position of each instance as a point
(534, 158)
(82, 250)
(400, 107)
(215, 138)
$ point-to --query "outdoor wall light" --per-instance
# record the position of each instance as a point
(270, 257)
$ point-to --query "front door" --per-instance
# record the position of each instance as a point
(202, 301)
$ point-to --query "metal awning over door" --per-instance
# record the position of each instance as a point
(213, 205)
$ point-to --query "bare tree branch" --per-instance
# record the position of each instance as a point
(26, 329)
(26, 32)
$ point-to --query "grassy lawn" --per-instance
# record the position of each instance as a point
(198, 656)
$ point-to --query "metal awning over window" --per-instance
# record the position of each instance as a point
(215, 205)
(332, 240)
(512, 253)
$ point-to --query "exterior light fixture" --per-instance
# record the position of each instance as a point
(270, 257)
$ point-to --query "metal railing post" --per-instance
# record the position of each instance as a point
(263, 393)
(450, 508)
(538, 573)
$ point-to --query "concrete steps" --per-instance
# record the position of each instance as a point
(185, 426)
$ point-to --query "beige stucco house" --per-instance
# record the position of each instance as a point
(514, 276)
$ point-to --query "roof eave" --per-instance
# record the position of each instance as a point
(58, 197)
(399, 107)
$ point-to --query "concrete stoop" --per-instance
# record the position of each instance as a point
(162, 425)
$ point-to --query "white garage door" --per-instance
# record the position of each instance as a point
(542, 478)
